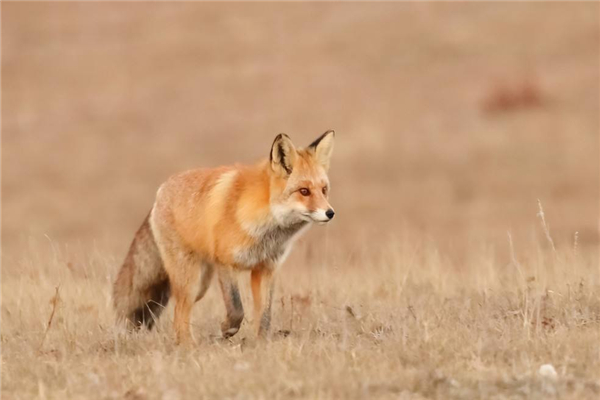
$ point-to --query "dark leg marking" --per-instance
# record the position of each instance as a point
(265, 320)
(235, 315)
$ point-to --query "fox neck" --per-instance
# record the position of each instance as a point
(273, 216)
(271, 235)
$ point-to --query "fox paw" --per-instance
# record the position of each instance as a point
(227, 333)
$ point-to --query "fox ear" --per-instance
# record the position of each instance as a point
(283, 155)
(323, 148)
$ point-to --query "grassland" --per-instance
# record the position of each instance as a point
(437, 279)
(402, 324)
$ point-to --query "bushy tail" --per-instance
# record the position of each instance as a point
(141, 290)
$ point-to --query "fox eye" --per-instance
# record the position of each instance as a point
(325, 189)
(304, 192)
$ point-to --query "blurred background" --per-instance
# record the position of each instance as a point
(452, 120)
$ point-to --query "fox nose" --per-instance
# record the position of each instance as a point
(330, 213)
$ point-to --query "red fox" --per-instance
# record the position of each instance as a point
(223, 220)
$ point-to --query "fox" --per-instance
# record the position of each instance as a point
(223, 221)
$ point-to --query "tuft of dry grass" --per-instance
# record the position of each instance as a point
(404, 321)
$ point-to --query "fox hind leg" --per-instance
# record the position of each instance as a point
(233, 302)
(205, 280)
(183, 310)
(184, 270)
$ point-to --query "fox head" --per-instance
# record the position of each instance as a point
(299, 182)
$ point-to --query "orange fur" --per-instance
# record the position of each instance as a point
(225, 220)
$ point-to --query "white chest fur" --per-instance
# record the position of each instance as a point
(271, 245)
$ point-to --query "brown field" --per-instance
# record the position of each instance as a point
(439, 278)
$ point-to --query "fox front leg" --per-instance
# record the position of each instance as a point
(262, 283)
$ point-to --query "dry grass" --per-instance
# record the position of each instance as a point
(452, 121)
(404, 323)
